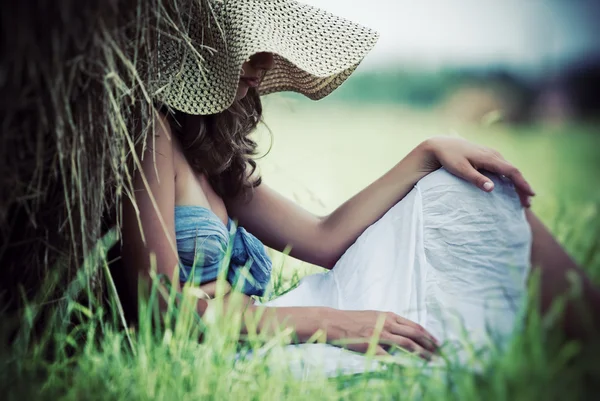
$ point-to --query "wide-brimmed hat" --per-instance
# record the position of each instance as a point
(314, 52)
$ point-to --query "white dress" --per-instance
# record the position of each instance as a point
(448, 256)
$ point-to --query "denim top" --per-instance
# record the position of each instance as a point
(205, 246)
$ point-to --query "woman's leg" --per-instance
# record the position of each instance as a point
(473, 238)
(558, 276)
(477, 247)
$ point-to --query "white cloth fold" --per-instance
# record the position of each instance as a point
(448, 256)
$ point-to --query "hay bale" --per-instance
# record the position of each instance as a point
(74, 78)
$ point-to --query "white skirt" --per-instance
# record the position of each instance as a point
(448, 256)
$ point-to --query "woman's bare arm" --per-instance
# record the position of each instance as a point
(279, 222)
(148, 227)
(356, 328)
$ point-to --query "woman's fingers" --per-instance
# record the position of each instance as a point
(404, 321)
(494, 162)
(525, 199)
(421, 337)
(408, 344)
(505, 168)
(466, 169)
(502, 167)
(407, 328)
(379, 351)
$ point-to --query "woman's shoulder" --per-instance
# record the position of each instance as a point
(170, 142)
(162, 137)
(156, 150)
(163, 143)
(158, 142)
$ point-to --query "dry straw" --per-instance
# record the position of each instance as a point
(74, 80)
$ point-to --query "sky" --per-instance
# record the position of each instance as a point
(528, 34)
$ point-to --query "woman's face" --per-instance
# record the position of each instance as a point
(253, 72)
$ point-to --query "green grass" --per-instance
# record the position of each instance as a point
(321, 156)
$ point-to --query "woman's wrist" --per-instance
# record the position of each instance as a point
(426, 154)
(317, 321)
(416, 165)
(325, 318)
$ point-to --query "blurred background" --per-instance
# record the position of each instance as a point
(536, 60)
(522, 76)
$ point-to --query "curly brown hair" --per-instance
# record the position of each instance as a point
(219, 145)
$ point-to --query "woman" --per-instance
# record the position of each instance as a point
(442, 243)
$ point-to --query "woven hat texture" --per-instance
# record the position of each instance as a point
(314, 52)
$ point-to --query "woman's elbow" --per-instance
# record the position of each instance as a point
(329, 253)
(328, 247)
(328, 263)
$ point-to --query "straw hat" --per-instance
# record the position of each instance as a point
(314, 52)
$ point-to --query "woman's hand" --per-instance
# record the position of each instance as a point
(463, 159)
(355, 329)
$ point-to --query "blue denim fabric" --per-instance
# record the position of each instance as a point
(203, 243)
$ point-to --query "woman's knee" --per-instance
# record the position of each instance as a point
(472, 236)
(456, 211)
(457, 192)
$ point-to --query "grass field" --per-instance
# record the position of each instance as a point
(320, 157)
